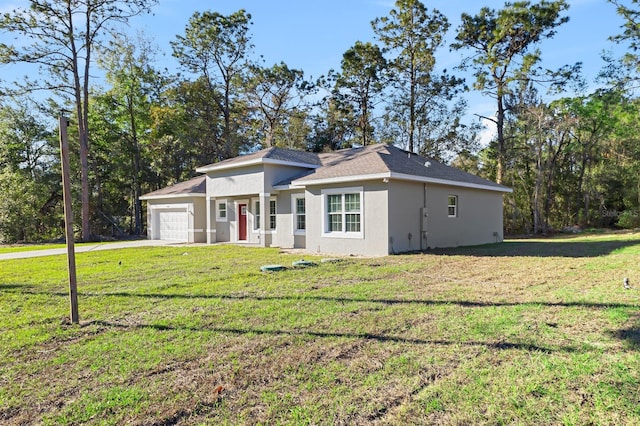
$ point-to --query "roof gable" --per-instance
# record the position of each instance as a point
(273, 155)
(195, 187)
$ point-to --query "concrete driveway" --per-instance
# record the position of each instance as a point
(87, 247)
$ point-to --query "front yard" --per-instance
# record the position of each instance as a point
(524, 332)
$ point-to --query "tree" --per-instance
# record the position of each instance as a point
(29, 176)
(361, 83)
(215, 47)
(502, 43)
(121, 117)
(62, 36)
(275, 97)
(413, 36)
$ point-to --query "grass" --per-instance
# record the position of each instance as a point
(525, 332)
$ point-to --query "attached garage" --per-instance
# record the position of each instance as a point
(177, 213)
(171, 224)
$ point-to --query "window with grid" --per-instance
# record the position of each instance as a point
(352, 212)
(343, 213)
(334, 212)
(452, 208)
(272, 214)
(301, 222)
(222, 211)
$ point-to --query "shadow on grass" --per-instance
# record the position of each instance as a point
(426, 302)
(549, 248)
(631, 334)
(382, 338)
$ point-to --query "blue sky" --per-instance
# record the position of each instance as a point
(312, 35)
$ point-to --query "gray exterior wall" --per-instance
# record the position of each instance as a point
(406, 200)
(479, 217)
(374, 241)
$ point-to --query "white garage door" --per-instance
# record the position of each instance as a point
(173, 225)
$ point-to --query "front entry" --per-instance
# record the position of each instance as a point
(242, 222)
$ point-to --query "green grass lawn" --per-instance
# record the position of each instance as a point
(524, 332)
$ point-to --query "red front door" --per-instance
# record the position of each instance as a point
(242, 222)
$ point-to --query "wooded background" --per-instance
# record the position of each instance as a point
(571, 154)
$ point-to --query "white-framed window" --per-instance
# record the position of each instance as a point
(256, 215)
(452, 206)
(272, 214)
(221, 210)
(343, 212)
(298, 207)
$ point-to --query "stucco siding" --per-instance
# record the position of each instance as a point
(234, 182)
(375, 236)
(406, 200)
(478, 217)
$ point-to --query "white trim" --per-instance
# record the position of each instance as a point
(255, 226)
(454, 205)
(226, 210)
(169, 196)
(287, 187)
(399, 176)
(294, 214)
(402, 176)
(258, 229)
(341, 179)
(325, 224)
(239, 164)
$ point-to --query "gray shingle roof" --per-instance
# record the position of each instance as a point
(197, 185)
(273, 153)
(388, 159)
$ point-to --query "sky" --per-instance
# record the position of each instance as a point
(312, 35)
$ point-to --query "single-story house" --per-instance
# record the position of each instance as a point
(372, 200)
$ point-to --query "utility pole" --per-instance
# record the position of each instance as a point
(68, 218)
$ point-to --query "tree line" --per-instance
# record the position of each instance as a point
(571, 160)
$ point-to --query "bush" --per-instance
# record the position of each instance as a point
(629, 219)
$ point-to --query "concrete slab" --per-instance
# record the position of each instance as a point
(87, 248)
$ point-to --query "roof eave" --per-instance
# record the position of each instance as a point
(218, 166)
(340, 179)
(402, 176)
(399, 176)
(165, 196)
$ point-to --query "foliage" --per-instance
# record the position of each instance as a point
(60, 37)
(360, 85)
(504, 55)
(30, 206)
(419, 105)
(215, 49)
(275, 98)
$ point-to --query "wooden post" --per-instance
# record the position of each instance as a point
(68, 219)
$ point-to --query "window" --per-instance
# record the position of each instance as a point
(299, 214)
(256, 214)
(452, 208)
(272, 214)
(343, 212)
(221, 212)
(335, 212)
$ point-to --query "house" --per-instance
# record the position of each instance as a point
(373, 200)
